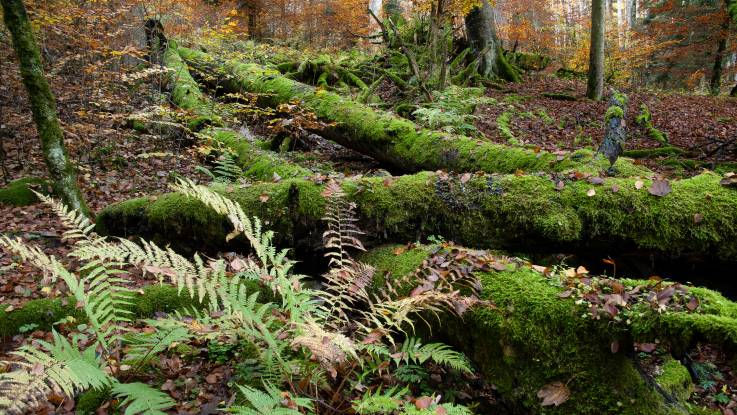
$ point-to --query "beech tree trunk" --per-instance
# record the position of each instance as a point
(595, 88)
(43, 106)
(715, 84)
(481, 29)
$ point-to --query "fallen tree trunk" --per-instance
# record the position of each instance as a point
(257, 163)
(398, 143)
(533, 213)
(532, 337)
(185, 92)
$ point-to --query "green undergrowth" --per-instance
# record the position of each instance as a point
(390, 139)
(18, 192)
(532, 337)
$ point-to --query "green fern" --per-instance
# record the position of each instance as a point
(380, 402)
(139, 398)
(271, 401)
(414, 351)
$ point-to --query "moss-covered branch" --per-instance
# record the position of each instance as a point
(532, 337)
(699, 216)
(398, 143)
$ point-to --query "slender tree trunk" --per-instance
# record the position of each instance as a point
(43, 105)
(632, 15)
(481, 29)
(595, 89)
(715, 85)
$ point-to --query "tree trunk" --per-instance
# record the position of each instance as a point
(481, 30)
(398, 143)
(531, 337)
(715, 84)
(43, 106)
(595, 88)
(530, 213)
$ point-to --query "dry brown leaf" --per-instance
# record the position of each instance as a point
(555, 393)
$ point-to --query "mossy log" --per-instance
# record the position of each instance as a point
(185, 92)
(398, 143)
(533, 213)
(257, 163)
(531, 337)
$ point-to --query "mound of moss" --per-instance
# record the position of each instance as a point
(18, 192)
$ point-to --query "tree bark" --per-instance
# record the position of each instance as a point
(616, 129)
(595, 88)
(715, 84)
(481, 30)
(43, 106)
(398, 143)
(531, 213)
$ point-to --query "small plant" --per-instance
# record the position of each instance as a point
(226, 169)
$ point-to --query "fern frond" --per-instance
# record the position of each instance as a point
(62, 368)
(413, 351)
(270, 402)
(380, 402)
(139, 398)
(78, 225)
(142, 347)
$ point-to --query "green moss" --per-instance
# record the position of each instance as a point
(645, 121)
(18, 192)
(504, 127)
(532, 337)
(675, 379)
(484, 211)
(186, 94)
(45, 312)
(91, 400)
(613, 112)
(653, 152)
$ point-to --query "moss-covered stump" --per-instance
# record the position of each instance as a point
(19, 192)
(698, 217)
(533, 337)
(185, 92)
(397, 142)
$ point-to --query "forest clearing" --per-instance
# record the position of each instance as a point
(368, 207)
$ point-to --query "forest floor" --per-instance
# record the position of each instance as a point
(117, 163)
(704, 127)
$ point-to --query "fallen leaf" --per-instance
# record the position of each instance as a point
(263, 198)
(614, 347)
(660, 188)
(615, 188)
(693, 303)
(639, 184)
(424, 402)
(646, 347)
(555, 393)
(465, 177)
(591, 193)
(697, 218)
